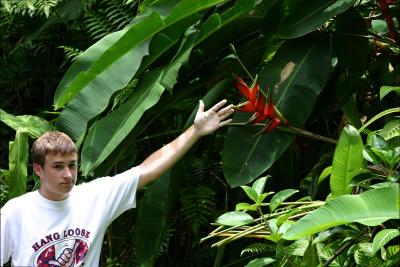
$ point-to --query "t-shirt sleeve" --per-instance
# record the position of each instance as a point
(5, 235)
(115, 194)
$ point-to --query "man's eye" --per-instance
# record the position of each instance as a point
(73, 165)
(58, 167)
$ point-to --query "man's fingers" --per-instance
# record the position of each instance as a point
(226, 110)
(201, 106)
(217, 106)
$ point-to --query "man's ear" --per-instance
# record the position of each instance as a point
(38, 169)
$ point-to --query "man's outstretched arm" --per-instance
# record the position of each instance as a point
(205, 123)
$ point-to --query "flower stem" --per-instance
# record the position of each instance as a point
(292, 130)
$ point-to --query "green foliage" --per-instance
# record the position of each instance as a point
(29, 7)
(347, 161)
(255, 248)
(325, 63)
(198, 206)
(105, 17)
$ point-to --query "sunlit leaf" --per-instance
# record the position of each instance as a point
(235, 218)
(280, 197)
(347, 158)
(260, 262)
(18, 165)
(31, 125)
(383, 237)
(370, 208)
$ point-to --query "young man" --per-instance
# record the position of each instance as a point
(62, 224)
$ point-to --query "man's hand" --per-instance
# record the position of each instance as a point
(208, 121)
(164, 158)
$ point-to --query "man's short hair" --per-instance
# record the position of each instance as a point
(53, 142)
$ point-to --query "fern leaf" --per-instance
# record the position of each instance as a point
(255, 248)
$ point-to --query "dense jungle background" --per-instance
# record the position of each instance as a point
(306, 175)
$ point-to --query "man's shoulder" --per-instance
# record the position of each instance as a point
(20, 201)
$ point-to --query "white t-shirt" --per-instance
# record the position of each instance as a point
(39, 232)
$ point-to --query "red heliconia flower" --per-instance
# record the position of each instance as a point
(273, 124)
(257, 104)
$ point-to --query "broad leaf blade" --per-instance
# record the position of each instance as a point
(18, 165)
(279, 197)
(351, 50)
(31, 125)
(296, 76)
(307, 16)
(385, 90)
(383, 237)
(82, 63)
(149, 231)
(347, 158)
(100, 141)
(369, 208)
(259, 185)
(235, 218)
(250, 192)
(112, 71)
(260, 262)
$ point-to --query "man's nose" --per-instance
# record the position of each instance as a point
(67, 173)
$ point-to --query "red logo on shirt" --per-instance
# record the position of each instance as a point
(66, 253)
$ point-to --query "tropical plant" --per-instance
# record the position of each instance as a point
(138, 71)
(344, 230)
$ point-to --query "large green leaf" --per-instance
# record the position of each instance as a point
(390, 130)
(110, 72)
(369, 208)
(217, 21)
(385, 90)
(378, 116)
(94, 97)
(305, 17)
(82, 63)
(18, 164)
(151, 224)
(235, 218)
(100, 141)
(279, 197)
(296, 76)
(260, 262)
(158, 45)
(352, 51)
(31, 125)
(347, 159)
(383, 237)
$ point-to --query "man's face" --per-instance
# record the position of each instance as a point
(58, 176)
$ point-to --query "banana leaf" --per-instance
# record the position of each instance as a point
(151, 221)
(306, 16)
(94, 97)
(346, 160)
(110, 72)
(100, 141)
(31, 125)
(351, 50)
(18, 165)
(370, 208)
